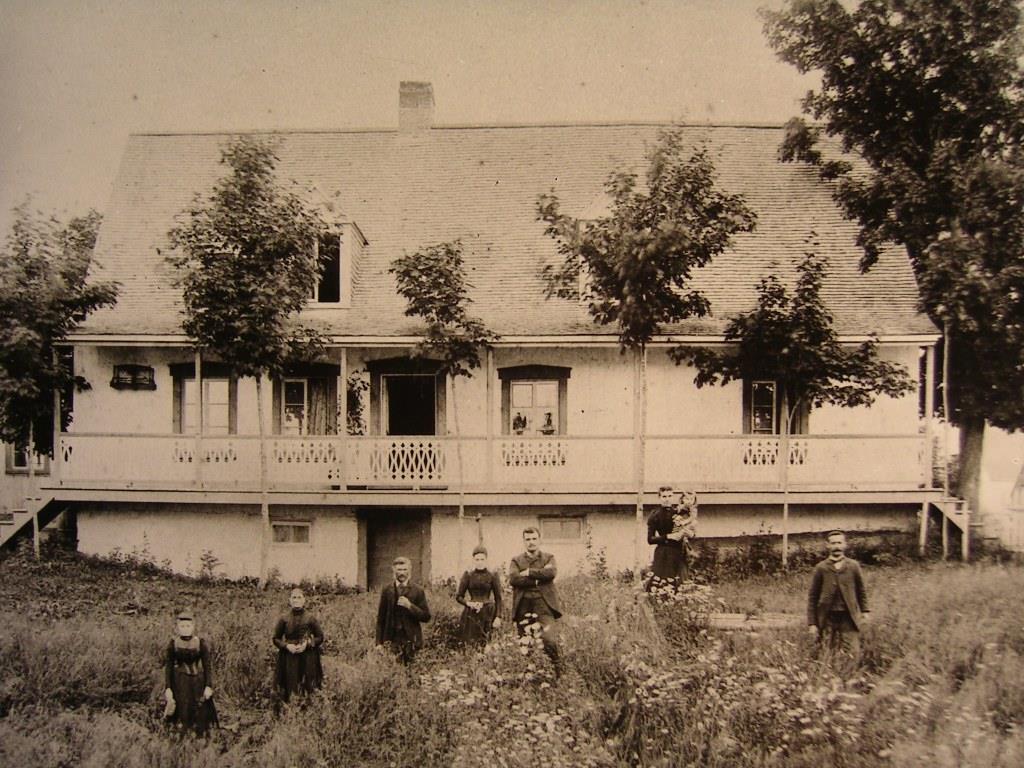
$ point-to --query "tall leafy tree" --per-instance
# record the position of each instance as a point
(45, 292)
(633, 267)
(245, 255)
(790, 339)
(930, 97)
(433, 282)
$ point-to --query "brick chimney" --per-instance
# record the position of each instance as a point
(415, 107)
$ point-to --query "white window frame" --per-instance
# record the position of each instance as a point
(190, 384)
(555, 414)
(304, 425)
(291, 524)
(753, 406)
(344, 270)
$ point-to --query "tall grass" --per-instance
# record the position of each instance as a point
(941, 684)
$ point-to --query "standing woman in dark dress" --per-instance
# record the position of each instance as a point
(480, 593)
(298, 638)
(188, 692)
(665, 532)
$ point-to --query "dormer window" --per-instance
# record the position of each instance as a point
(328, 289)
(336, 252)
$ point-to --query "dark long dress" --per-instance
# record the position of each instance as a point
(298, 672)
(670, 558)
(482, 586)
(187, 668)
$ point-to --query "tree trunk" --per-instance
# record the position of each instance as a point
(972, 438)
(264, 503)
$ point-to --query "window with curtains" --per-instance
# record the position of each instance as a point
(305, 401)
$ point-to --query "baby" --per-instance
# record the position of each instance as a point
(684, 520)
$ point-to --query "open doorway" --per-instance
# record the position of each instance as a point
(395, 532)
(409, 404)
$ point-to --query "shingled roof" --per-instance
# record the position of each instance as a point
(405, 191)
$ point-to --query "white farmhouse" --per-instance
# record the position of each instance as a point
(548, 427)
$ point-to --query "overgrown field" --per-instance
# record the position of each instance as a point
(942, 682)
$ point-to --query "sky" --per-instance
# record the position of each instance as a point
(77, 77)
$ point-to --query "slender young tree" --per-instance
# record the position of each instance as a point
(789, 339)
(930, 97)
(247, 267)
(633, 267)
(433, 282)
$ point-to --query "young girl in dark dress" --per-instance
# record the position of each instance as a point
(480, 592)
(188, 693)
(298, 638)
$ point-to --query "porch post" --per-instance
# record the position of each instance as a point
(638, 473)
(30, 460)
(945, 534)
(489, 374)
(342, 406)
(55, 468)
(200, 426)
(784, 476)
(922, 536)
(929, 415)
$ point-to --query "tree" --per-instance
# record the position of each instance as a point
(930, 97)
(790, 339)
(247, 267)
(433, 282)
(44, 294)
(637, 262)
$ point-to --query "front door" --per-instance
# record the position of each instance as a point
(391, 533)
(410, 404)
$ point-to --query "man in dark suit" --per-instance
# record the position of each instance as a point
(837, 601)
(534, 599)
(403, 608)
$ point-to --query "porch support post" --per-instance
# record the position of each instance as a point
(31, 502)
(200, 426)
(945, 533)
(965, 536)
(929, 415)
(922, 537)
(55, 468)
(489, 375)
(342, 406)
(638, 474)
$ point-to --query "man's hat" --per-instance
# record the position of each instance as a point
(186, 613)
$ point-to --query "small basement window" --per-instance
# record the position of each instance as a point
(291, 533)
(561, 528)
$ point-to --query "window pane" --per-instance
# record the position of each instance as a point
(282, 534)
(522, 394)
(545, 393)
(300, 534)
(294, 415)
(188, 407)
(216, 391)
(217, 419)
(763, 393)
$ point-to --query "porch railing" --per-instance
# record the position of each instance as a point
(558, 463)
